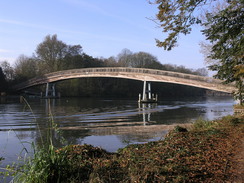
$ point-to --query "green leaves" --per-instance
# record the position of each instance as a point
(225, 31)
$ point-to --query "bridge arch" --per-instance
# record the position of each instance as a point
(139, 74)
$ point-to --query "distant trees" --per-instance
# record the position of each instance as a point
(3, 82)
(53, 55)
(80, 61)
(25, 68)
(145, 60)
(8, 71)
(137, 60)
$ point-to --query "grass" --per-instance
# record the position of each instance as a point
(200, 154)
(35, 167)
(238, 106)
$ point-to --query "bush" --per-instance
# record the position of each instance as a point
(201, 124)
(180, 129)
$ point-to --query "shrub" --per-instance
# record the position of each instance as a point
(201, 124)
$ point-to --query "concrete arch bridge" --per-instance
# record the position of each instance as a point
(141, 74)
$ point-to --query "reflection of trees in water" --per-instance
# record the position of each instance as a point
(47, 127)
(60, 138)
(22, 135)
(145, 108)
(151, 114)
(75, 136)
(142, 137)
(133, 131)
(70, 113)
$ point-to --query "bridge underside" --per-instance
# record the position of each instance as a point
(164, 79)
(146, 75)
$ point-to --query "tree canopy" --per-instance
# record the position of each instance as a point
(52, 51)
(3, 83)
(225, 31)
(53, 55)
(176, 17)
(223, 28)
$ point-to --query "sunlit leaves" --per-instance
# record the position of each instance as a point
(225, 31)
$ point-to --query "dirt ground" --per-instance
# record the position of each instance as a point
(238, 162)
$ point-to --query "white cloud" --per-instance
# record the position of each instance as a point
(11, 60)
(4, 51)
(13, 22)
(87, 5)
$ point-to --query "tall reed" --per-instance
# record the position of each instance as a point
(36, 167)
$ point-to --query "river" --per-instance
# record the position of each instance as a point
(108, 123)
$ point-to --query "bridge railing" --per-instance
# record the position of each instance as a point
(87, 71)
(136, 70)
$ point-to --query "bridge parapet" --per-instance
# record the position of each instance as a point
(135, 70)
(131, 73)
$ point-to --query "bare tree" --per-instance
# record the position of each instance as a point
(25, 68)
(52, 51)
(7, 70)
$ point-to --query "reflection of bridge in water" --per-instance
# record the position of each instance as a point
(145, 108)
(141, 74)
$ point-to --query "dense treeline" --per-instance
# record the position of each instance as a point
(53, 55)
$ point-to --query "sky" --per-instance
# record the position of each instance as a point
(102, 27)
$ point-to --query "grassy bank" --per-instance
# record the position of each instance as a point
(202, 153)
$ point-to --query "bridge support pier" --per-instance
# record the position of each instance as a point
(147, 96)
(50, 91)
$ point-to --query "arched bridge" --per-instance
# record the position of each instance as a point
(140, 74)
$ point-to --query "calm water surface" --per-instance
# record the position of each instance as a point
(110, 124)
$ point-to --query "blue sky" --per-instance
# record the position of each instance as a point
(102, 27)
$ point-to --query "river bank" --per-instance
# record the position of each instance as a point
(208, 151)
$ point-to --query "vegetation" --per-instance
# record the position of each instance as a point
(203, 153)
(3, 81)
(226, 35)
(223, 27)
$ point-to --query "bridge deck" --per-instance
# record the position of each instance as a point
(140, 74)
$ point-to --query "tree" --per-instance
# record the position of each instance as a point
(202, 72)
(110, 62)
(225, 32)
(52, 51)
(8, 71)
(3, 82)
(239, 75)
(125, 58)
(223, 28)
(80, 61)
(25, 68)
(145, 60)
(176, 17)
(138, 60)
